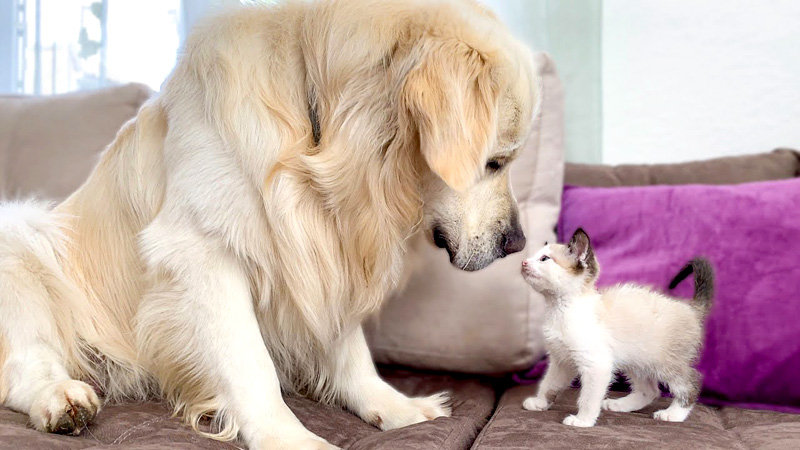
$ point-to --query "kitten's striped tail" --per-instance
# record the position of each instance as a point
(703, 282)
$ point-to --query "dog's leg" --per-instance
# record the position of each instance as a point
(33, 379)
(557, 378)
(198, 329)
(357, 384)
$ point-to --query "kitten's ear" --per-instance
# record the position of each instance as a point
(580, 246)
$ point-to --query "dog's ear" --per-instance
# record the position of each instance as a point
(452, 99)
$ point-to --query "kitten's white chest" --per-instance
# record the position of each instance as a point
(555, 342)
(573, 329)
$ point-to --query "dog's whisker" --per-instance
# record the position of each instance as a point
(472, 253)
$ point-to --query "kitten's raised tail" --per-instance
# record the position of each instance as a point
(703, 282)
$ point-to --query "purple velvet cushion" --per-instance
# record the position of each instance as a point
(751, 234)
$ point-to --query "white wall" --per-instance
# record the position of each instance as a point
(684, 80)
(570, 32)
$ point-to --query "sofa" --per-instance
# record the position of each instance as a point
(49, 145)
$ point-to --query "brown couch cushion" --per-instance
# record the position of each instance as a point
(487, 321)
(48, 145)
(776, 165)
(151, 426)
(473, 402)
(512, 427)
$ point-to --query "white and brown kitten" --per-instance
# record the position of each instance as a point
(646, 335)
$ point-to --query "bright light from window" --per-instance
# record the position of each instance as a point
(142, 40)
(72, 52)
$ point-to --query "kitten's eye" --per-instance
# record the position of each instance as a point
(494, 165)
(544, 258)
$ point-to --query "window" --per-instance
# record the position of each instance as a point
(60, 46)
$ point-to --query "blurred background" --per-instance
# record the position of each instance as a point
(646, 81)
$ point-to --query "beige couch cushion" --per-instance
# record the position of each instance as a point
(48, 145)
(487, 321)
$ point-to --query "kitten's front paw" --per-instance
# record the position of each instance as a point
(574, 421)
(536, 404)
(672, 414)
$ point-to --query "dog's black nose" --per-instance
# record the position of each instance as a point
(514, 241)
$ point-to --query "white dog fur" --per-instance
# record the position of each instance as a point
(236, 233)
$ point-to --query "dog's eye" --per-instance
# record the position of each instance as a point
(494, 165)
(544, 258)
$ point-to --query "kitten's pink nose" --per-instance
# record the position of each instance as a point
(524, 263)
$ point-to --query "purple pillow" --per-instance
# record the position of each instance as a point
(751, 234)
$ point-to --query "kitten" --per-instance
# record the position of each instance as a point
(646, 335)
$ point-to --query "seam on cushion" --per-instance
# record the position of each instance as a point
(460, 425)
(476, 425)
(738, 440)
(485, 430)
(727, 431)
(446, 440)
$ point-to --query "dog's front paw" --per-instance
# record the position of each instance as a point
(402, 411)
(312, 444)
(284, 443)
(287, 435)
(65, 407)
(536, 404)
(436, 405)
(574, 421)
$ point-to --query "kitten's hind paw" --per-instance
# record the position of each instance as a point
(619, 405)
(574, 421)
(535, 404)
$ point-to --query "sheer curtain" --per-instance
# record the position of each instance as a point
(56, 46)
(570, 31)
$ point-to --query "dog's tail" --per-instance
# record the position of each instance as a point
(703, 283)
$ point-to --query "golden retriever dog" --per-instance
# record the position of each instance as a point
(233, 237)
